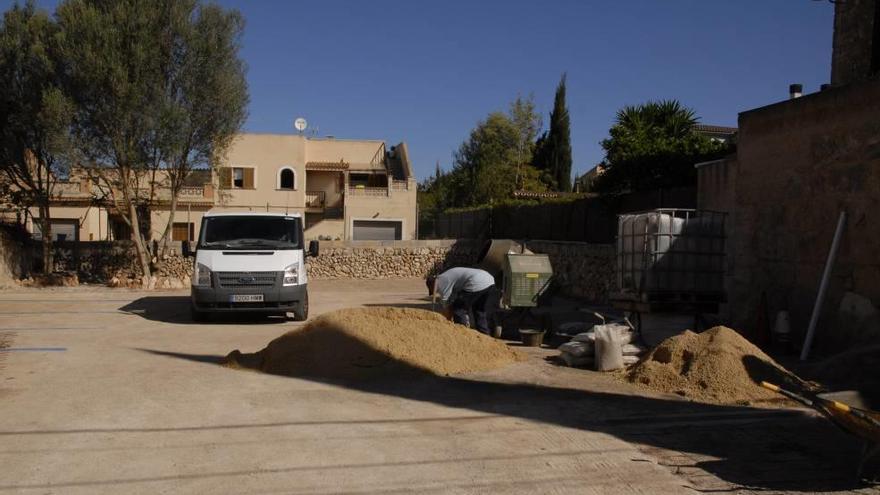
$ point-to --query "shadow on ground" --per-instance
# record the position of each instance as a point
(743, 448)
(175, 309)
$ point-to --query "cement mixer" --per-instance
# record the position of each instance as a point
(522, 275)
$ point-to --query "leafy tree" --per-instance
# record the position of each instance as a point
(34, 115)
(140, 103)
(434, 195)
(654, 145)
(528, 124)
(489, 166)
(205, 97)
(487, 161)
(553, 154)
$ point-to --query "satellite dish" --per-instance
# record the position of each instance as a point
(300, 124)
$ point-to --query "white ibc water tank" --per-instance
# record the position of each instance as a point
(672, 251)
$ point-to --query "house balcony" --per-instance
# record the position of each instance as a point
(316, 199)
(368, 191)
(203, 194)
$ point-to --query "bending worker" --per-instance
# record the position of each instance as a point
(465, 290)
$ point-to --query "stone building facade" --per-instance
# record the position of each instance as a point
(799, 164)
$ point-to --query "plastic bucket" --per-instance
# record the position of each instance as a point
(531, 338)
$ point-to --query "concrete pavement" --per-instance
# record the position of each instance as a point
(109, 391)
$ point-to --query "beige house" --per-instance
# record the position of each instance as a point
(345, 189)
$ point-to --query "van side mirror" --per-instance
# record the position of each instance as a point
(186, 249)
(313, 249)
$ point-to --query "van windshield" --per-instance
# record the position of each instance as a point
(251, 232)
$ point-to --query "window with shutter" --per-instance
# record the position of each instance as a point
(225, 178)
(248, 178)
(182, 231)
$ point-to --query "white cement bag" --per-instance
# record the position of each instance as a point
(577, 349)
(632, 350)
(579, 362)
(573, 327)
(624, 331)
(609, 348)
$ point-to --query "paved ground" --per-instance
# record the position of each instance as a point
(116, 391)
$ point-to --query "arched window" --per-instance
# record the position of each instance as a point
(286, 179)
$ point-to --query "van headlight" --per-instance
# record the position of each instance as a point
(201, 275)
(291, 274)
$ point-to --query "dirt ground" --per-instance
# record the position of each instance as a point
(117, 391)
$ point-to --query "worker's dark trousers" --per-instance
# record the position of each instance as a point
(483, 304)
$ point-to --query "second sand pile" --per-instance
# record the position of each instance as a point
(717, 366)
(367, 342)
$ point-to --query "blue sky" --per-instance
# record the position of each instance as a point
(426, 72)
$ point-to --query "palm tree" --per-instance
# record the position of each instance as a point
(654, 145)
(667, 116)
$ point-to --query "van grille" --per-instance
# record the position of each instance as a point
(246, 279)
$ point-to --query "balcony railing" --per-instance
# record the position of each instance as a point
(368, 191)
(315, 199)
(69, 189)
(400, 185)
(192, 192)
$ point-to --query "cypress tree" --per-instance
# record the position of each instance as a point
(552, 155)
(560, 140)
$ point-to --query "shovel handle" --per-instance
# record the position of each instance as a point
(840, 406)
(790, 395)
(770, 386)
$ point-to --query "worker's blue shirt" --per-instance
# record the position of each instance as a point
(455, 280)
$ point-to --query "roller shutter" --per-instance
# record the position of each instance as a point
(376, 230)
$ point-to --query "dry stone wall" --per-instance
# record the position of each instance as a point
(13, 258)
(114, 263)
(583, 270)
(398, 259)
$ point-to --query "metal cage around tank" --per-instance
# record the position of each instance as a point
(671, 254)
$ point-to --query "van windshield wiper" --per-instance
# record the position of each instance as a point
(216, 244)
(255, 242)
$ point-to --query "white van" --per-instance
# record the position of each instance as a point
(250, 262)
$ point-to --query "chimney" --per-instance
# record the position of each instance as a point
(795, 91)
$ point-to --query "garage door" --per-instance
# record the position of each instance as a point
(376, 230)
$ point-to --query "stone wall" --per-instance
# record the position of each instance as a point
(390, 259)
(114, 263)
(582, 270)
(13, 257)
(854, 56)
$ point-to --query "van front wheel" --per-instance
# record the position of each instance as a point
(196, 315)
(301, 311)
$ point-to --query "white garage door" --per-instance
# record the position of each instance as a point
(376, 230)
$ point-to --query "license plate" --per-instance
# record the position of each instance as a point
(246, 298)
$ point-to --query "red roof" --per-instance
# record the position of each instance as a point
(715, 129)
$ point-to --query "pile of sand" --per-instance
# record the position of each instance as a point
(718, 366)
(366, 342)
